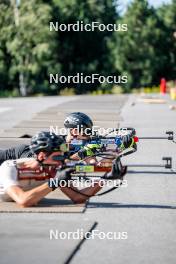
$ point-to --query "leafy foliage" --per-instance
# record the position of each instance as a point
(142, 52)
(145, 53)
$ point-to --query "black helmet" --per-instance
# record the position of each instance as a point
(46, 141)
(78, 120)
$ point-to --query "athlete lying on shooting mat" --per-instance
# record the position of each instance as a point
(26, 195)
(10, 169)
(79, 127)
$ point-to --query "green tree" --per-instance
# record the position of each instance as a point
(28, 43)
(167, 14)
(141, 52)
(5, 33)
(29, 52)
(86, 52)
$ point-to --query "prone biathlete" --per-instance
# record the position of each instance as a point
(25, 194)
(79, 127)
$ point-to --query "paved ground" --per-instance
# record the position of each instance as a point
(145, 209)
(14, 110)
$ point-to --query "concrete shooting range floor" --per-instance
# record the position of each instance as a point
(12, 142)
(29, 231)
(145, 208)
(61, 116)
(30, 242)
(46, 124)
(12, 137)
(20, 132)
(89, 105)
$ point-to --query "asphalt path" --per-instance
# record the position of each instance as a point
(14, 110)
(146, 208)
(141, 215)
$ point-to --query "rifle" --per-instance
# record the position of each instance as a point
(59, 160)
(106, 140)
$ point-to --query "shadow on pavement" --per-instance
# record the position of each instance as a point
(119, 205)
(152, 172)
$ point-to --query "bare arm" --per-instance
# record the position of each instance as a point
(32, 197)
(86, 192)
(28, 198)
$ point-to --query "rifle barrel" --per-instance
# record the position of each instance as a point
(153, 138)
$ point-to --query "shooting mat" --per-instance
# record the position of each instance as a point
(55, 202)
